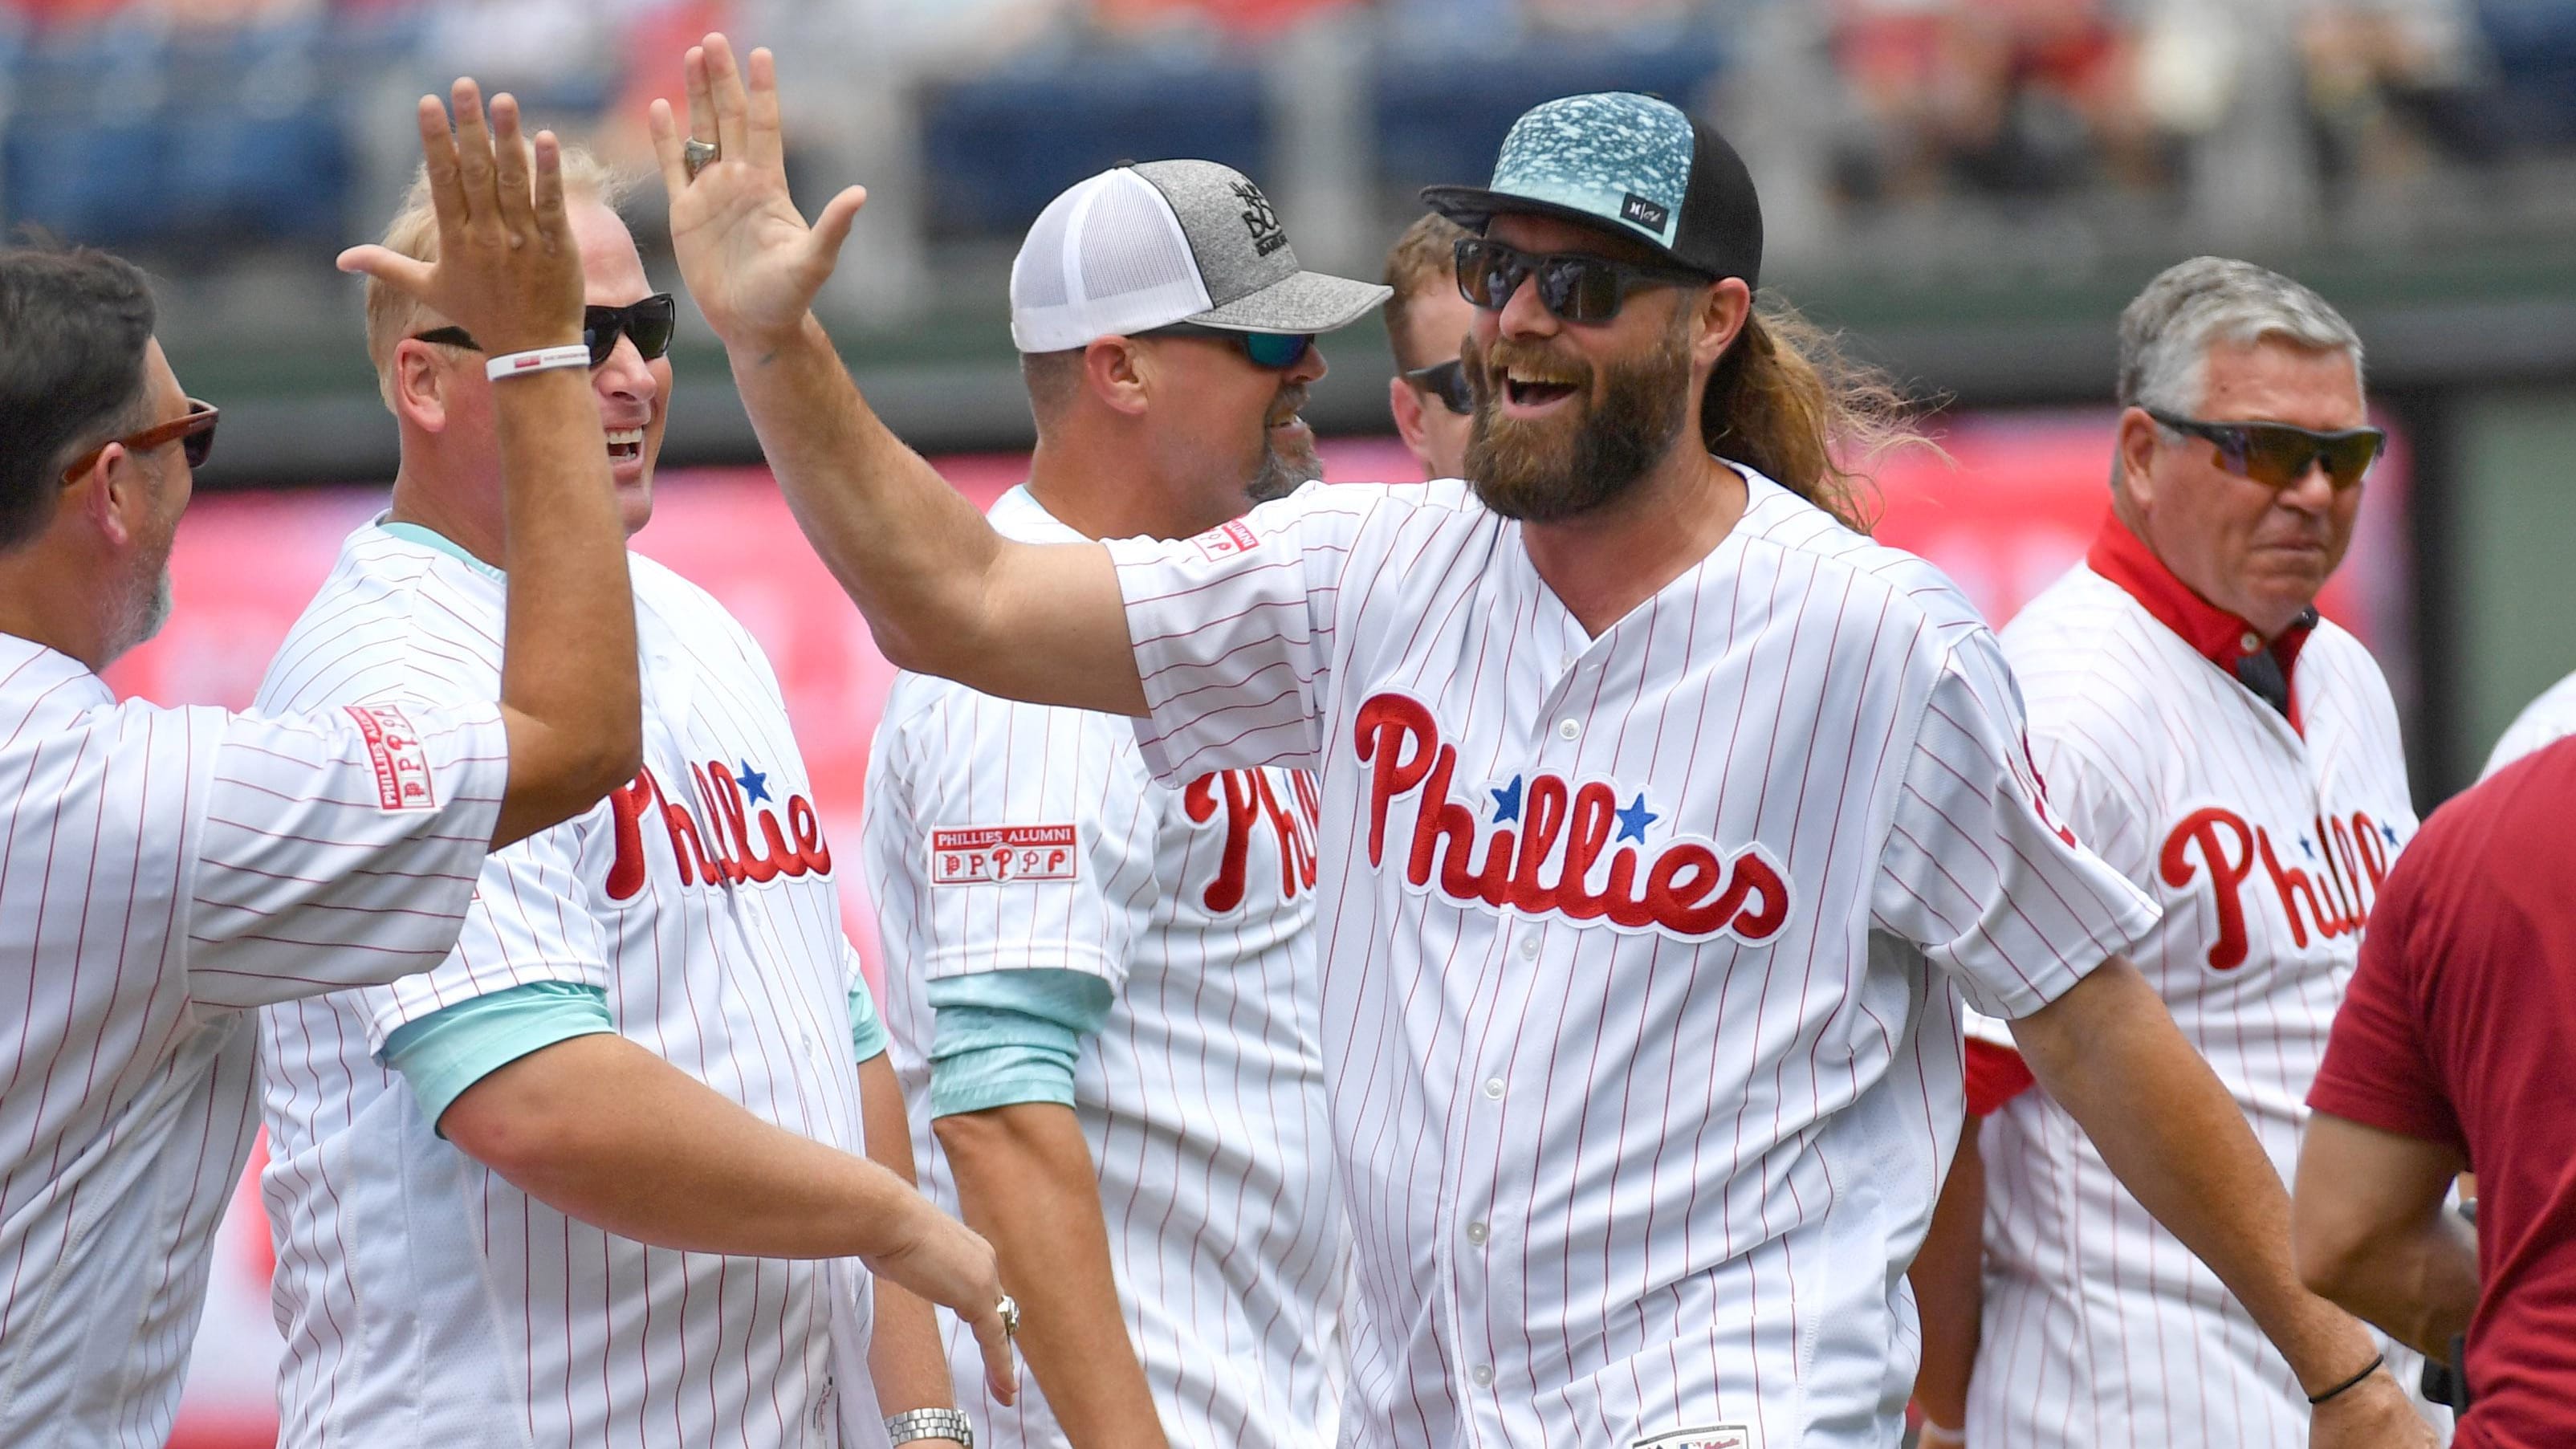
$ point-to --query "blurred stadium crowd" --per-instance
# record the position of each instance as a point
(196, 131)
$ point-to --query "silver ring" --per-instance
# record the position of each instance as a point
(695, 155)
(1009, 1308)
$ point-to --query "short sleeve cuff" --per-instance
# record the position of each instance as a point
(981, 1080)
(2405, 1114)
(867, 1029)
(444, 1053)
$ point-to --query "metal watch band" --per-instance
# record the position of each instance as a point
(914, 1424)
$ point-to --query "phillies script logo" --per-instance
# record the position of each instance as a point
(1248, 800)
(736, 840)
(2345, 852)
(1541, 852)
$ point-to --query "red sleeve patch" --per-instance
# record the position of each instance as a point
(1228, 539)
(402, 766)
(997, 854)
(1996, 1075)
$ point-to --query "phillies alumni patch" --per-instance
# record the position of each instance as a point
(1232, 537)
(1718, 1436)
(393, 747)
(995, 854)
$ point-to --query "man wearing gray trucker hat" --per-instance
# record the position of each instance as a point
(1665, 817)
(1102, 988)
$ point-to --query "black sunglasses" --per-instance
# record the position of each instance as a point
(650, 322)
(193, 429)
(1575, 287)
(2278, 455)
(1446, 381)
(1277, 351)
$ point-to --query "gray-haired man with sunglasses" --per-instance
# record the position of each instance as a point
(1102, 988)
(2237, 758)
(604, 1175)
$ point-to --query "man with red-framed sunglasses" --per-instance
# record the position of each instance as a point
(2236, 756)
(165, 871)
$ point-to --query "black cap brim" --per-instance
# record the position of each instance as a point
(1474, 206)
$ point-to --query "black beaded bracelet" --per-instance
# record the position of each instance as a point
(2377, 1361)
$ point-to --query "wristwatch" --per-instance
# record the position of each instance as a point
(914, 1424)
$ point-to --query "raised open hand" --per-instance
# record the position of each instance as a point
(508, 270)
(745, 251)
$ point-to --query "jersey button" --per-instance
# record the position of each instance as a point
(1529, 948)
(1483, 1374)
(2251, 642)
(1476, 1235)
(1568, 729)
(1494, 1089)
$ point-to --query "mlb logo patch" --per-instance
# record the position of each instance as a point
(1001, 854)
(401, 765)
(1718, 1436)
(1225, 542)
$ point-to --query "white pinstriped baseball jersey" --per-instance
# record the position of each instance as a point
(1637, 950)
(162, 871)
(1203, 1095)
(425, 1300)
(2544, 721)
(2265, 845)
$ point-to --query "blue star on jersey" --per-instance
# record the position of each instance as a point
(1634, 820)
(1507, 801)
(755, 785)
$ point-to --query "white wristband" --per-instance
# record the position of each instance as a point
(544, 359)
(1935, 1436)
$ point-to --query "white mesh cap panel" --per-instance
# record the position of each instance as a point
(1107, 257)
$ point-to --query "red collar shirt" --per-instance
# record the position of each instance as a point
(2263, 833)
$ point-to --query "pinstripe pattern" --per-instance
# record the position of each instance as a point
(1203, 1096)
(1628, 1151)
(161, 870)
(2101, 1328)
(425, 1300)
(2546, 720)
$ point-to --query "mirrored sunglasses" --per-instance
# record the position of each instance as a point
(2278, 455)
(650, 322)
(1277, 351)
(1572, 286)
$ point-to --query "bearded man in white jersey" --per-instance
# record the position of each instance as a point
(2236, 756)
(165, 871)
(603, 1176)
(1663, 817)
(1101, 988)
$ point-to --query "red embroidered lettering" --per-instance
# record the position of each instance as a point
(393, 749)
(2209, 829)
(1002, 854)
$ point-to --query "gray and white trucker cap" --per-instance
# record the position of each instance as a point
(1145, 246)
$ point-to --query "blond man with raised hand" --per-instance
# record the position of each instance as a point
(603, 1176)
(168, 870)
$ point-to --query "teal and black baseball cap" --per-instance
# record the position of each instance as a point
(1629, 164)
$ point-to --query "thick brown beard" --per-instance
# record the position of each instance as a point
(1547, 472)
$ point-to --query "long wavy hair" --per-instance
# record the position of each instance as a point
(1789, 403)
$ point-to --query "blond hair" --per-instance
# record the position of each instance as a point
(413, 232)
(1426, 256)
(1787, 402)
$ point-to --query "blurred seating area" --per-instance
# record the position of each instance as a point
(196, 131)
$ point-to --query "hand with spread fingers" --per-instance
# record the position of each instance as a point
(747, 254)
(508, 270)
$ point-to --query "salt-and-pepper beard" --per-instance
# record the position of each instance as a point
(1283, 473)
(1547, 471)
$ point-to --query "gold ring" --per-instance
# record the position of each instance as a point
(695, 155)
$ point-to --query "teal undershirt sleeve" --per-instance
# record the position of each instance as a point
(1006, 1037)
(867, 1031)
(452, 1048)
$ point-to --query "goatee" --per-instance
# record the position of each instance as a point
(1284, 471)
(1560, 468)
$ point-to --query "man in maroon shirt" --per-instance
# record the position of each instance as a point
(2456, 1049)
